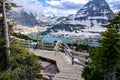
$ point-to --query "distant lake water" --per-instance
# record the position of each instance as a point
(50, 39)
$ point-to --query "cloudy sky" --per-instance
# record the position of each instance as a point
(59, 7)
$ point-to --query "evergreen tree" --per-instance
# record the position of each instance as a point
(22, 64)
(105, 64)
(4, 38)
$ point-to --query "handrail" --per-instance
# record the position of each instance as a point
(38, 45)
(81, 53)
(68, 54)
(72, 55)
(68, 50)
(67, 46)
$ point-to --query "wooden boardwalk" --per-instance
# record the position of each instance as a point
(67, 70)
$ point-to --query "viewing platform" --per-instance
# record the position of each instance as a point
(67, 71)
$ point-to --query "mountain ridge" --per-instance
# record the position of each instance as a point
(95, 10)
(93, 14)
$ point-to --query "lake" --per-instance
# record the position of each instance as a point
(50, 39)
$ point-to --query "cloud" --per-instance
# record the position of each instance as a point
(59, 12)
(76, 1)
(54, 3)
(65, 7)
(58, 7)
(117, 6)
(50, 11)
(65, 4)
(114, 4)
(69, 6)
(33, 6)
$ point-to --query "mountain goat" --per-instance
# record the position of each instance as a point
(57, 46)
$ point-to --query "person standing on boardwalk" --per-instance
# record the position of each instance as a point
(57, 46)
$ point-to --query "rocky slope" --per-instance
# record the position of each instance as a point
(27, 30)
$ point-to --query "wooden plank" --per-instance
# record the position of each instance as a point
(63, 65)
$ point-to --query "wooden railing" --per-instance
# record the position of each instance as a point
(76, 57)
(46, 46)
(67, 51)
(38, 45)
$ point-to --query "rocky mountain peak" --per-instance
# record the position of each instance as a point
(95, 10)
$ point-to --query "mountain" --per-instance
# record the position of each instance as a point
(29, 19)
(87, 21)
(29, 13)
(93, 13)
(23, 18)
(29, 22)
(98, 10)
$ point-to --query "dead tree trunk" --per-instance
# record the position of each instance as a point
(5, 27)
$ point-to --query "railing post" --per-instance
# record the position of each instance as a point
(31, 44)
(28, 43)
(72, 60)
(42, 45)
(38, 44)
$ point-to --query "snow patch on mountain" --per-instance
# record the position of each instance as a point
(83, 33)
(94, 29)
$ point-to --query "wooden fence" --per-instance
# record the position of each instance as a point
(38, 45)
(75, 56)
